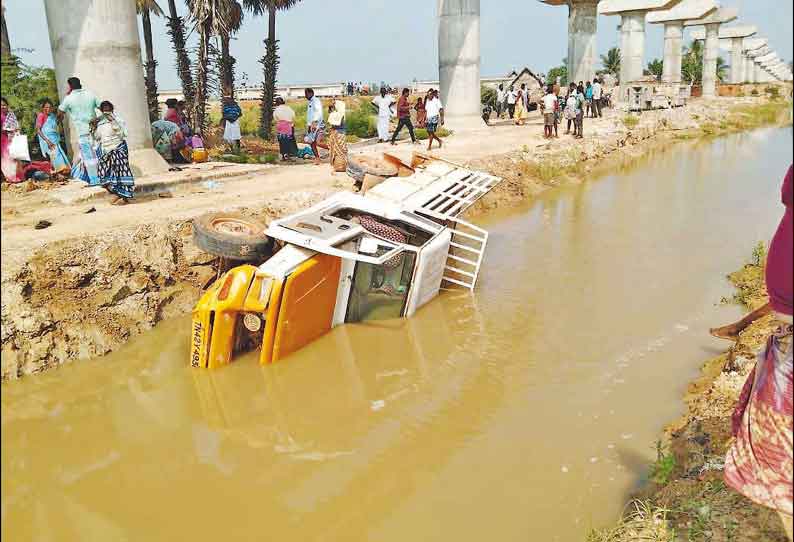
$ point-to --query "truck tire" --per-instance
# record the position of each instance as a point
(232, 236)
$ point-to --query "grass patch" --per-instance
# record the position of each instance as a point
(661, 470)
(421, 133)
(642, 521)
(630, 121)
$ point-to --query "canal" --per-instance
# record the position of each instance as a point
(526, 411)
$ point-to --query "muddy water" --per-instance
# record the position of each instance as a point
(527, 411)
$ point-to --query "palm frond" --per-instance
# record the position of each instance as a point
(149, 6)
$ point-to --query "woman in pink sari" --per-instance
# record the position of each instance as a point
(10, 126)
(759, 464)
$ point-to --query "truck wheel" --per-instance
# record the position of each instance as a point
(232, 236)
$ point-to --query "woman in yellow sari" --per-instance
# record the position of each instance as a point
(521, 105)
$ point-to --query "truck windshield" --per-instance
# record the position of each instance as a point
(379, 292)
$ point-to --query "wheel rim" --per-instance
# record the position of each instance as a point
(235, 226)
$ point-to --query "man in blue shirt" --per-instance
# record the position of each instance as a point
(81, 105)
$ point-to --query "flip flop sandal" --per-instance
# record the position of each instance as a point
(91, 210)
(175, 168)
(41, 224)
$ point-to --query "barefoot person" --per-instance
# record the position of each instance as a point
(315, 125)
(383, 104)
(10, 126)
(435, 118)
(50, 137)
(758, 464)
(549, 105)
(113, 169)
(81, 105)
(285, 129)
(403, 117)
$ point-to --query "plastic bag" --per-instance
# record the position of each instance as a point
(19, 148)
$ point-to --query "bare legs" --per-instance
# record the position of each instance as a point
(731, 331)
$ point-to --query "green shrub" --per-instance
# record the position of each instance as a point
(421, 133)
(268, 158)
(630, 121)
(773, 92)
(488, 96)
(661, 470)
(361, 122)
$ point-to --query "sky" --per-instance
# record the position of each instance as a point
(324, 41)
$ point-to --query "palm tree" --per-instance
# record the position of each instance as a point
(145, 8)
(656, 68)
(611, 61)
(212, 18)
(270, 60)
(227, 61)
(692, 64)
(5, 44)
(176, 29)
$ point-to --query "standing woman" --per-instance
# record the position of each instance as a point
(421, 112)
(115, 174)
(10, 126)
(50, 138)
(521, 109)
(285, 129)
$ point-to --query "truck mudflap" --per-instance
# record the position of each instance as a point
(215, 317)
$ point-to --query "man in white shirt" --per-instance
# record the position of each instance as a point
(500, 100)
(549, 104)
(435, 118)
(512, 96)
(315, 126)
(383, 103)
(597, 93)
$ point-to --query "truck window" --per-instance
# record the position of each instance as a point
(379, 292)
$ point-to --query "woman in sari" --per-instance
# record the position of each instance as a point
(167, 139)
(10, 126)
(50, 137)
(758, 464)
(421, 112)
(337, 145)
(521, 108)
(113, 168)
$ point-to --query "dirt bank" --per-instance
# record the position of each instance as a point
(84, 286)
(686, 498)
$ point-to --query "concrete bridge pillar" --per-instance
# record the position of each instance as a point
(97, 41)
(632, 45)
(737, 61)
(673, 51)
(758, 72)
(710, 52)
(749, 69)
(582, 25)
(459, 62)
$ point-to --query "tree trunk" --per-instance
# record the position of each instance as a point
(270, 68)
(227, 67)
(201, 79)
(177, 31)
(151, 66)
(5, 44)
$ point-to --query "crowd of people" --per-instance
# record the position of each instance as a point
(585, 100)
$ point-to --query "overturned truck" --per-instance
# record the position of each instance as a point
(350, 258)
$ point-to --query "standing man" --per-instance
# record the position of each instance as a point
(383, 104)
(403, 117)
(315, 126)
(597, 91)
(81, 105)
(511, 101)
(549, 104)
(500, 101)
(435, 117)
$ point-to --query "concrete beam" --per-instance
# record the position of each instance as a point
(752, 44)
(632, 31)
(729, 32)
(582, 27)
(459, 62)
(720, 16)
(98, 42)
(673, 20)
